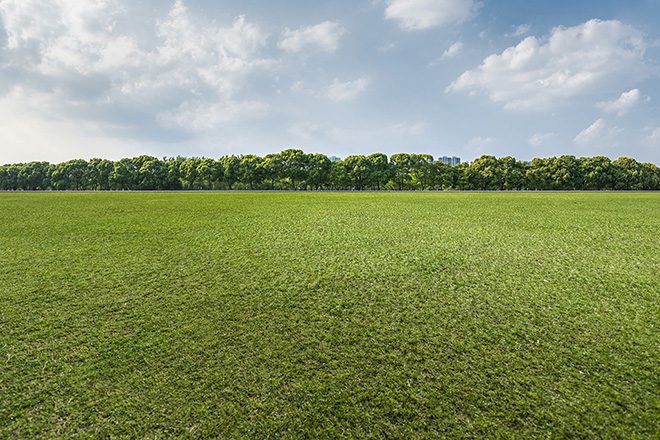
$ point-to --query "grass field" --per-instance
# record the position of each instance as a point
(329, 315)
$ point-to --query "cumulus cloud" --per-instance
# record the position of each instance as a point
(425, 14)
(183, 65)
(29, 135)
(599, 131)
(539, 73)
(324, 36)
(538, 139)
(519, 31)
(589, 134)
(341, 91)
(653, 139)
(200, 116)
(387, 47)
(480, 144)
(624, 103)
(304, 130)
(299, 87)
(55, 37)
(409, 128)
(452, 50)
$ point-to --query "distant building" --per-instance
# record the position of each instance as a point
(451, 161)
(335, 159)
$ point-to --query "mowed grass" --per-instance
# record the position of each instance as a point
(401, 315)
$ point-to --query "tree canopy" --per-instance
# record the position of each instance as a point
(293, 169)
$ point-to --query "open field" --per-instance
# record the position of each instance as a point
(329, 315)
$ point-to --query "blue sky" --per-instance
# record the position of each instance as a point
(114, 78)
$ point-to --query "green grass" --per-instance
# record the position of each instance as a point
(329, 315)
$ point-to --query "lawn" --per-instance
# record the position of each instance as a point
(402, 315)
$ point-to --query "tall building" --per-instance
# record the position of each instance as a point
(451, 161)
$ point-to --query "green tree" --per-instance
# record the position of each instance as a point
(597, 173)
(173, 166)
(188, 171)
(357, 169)
(294, 167)
(338, 176)
(251, 173)
(446, 176)
(33, 176)
(152, 173)
(422, 171)
(318, 171)
(124, 175)
(209, 173)
(98, 174)
(567, 173)
(272, 168)
(632, 175)
(379, 172)
(513, 173)
(71, 175)
(7, 178)
(230, 170)
(401, 166)
(485, 173)
(538, 175)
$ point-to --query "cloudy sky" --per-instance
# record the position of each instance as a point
(115, 78)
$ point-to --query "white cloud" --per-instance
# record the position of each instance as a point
(304, 130)
(340, 91)
(197, 56)
(409, 128)
(324, 36)
(453, 50)
(337, 90)
(599, 131)
(200, 116)
(387, 47)
(299, 87)
(519, 31)
(539, 73)
(589, 134)
(480, 144)
(624, 103)
(29, 135)
(56, 36)
(425, 14)
(653, 139)
(182, 61)
(450, 52)
(538, 139)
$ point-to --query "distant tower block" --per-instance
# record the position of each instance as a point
(451, 161)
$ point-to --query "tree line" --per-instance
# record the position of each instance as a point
(294, 170)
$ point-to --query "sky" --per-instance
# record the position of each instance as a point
(120, 78)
